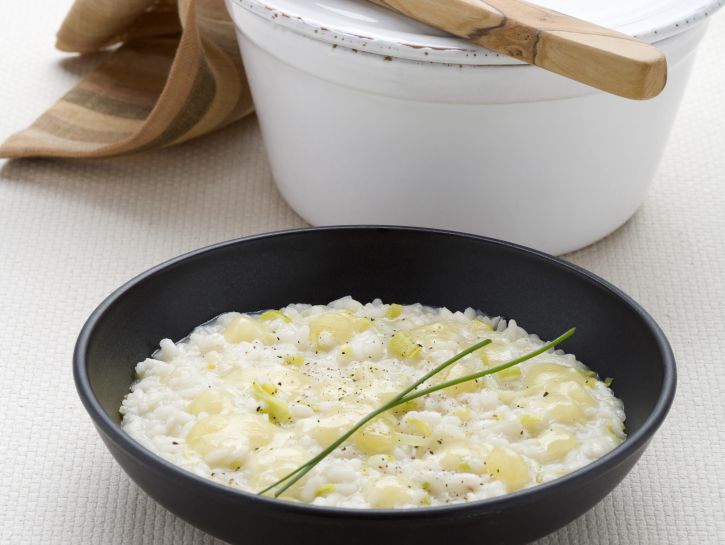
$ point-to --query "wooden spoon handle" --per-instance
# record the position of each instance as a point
(600, 57)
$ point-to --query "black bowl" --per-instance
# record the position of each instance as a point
(615, 336)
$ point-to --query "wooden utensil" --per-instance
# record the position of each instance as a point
(582, 51)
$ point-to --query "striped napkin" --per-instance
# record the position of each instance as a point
(176, 75)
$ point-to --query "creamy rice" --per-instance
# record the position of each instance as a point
(246, 399)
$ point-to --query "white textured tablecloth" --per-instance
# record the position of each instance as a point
(70, 232)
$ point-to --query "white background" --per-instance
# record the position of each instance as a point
(72, 231)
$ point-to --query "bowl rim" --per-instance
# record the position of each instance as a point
(633, 443)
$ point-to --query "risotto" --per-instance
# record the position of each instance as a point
(247, 398)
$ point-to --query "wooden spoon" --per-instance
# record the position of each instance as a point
(582, 51)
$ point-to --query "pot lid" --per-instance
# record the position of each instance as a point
(359, 24)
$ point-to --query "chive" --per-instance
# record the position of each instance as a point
(405, 396)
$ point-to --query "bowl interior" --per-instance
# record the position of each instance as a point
(545, 296)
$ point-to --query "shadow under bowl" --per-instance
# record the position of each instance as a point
(545, 295)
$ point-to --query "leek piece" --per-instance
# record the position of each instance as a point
(242, 328)
(532, 423)
(271, 389)
(394, 311)
(411, 440)
(325, 489)
(496, 353)
(463, 413)
(465, 387)
(458, 458)
(479, 325)
(419, 426)
(425, 500)
(277, 409)
(557, 444)
(507, 466)
(375, 438)
(345, 352)
(563, 409)
(274, 315)
(574, 391)
(402, 345)
(333, 328)
(293, 359)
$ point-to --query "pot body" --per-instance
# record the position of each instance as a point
(512, 152)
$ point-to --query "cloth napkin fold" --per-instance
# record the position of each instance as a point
(177, 75)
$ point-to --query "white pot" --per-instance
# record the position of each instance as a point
(409, 127)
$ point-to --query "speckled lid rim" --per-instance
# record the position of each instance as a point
(441, 48)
